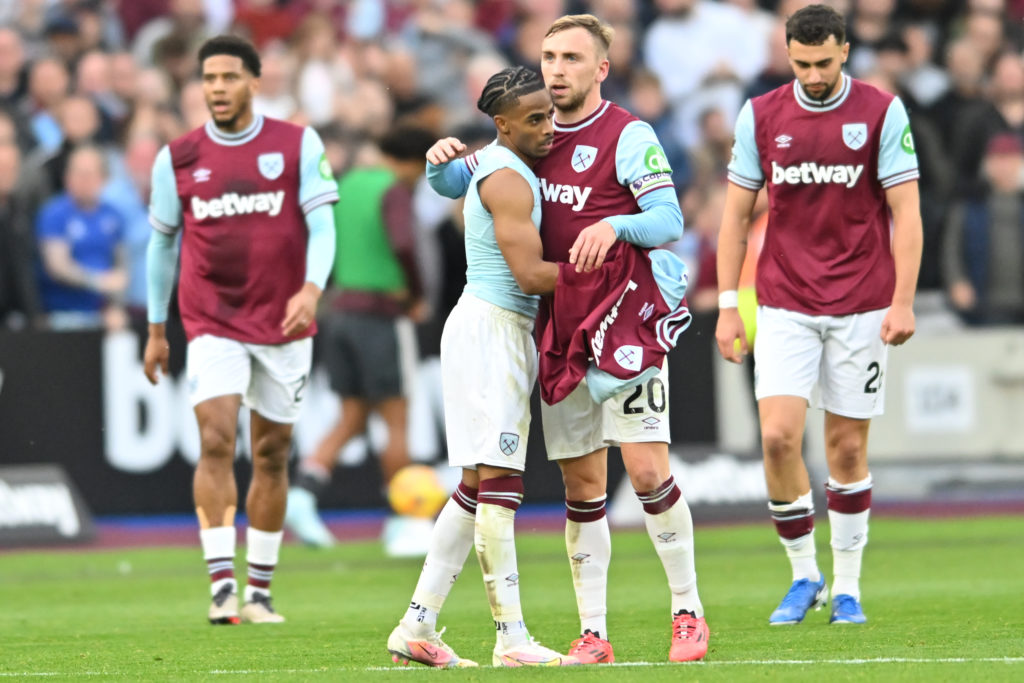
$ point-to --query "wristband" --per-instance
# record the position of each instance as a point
(728, 299)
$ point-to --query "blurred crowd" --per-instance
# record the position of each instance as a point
(91, 89)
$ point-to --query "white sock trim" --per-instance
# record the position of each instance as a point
(852, 487)
(217, 542)
(262, 546)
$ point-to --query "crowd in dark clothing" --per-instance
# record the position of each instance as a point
(121, 79)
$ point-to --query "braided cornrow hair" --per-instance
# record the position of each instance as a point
(504, 89)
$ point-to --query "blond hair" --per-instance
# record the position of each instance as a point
(602, 32)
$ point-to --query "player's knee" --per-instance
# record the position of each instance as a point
(217, 441)
(270, 452)
(846, 453)
(779, 442)
(646, 478)
(583, 484)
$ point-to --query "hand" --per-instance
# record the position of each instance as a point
(731, 335)
(112, 282)
(444, 150)
(419, 311)
(898, 325)
(157, 353)
(591, 246)
(300, 311)
(115, 318)
(962, 295)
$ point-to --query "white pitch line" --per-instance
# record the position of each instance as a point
(731, 662)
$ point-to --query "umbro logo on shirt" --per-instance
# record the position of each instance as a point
(783, 141)
(201, 175)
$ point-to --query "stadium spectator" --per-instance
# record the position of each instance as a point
(776, 71)
(368, 340)
(275, 98)
(721, 48)
(93, 79)
(19, 292)
(966, 73)
(832, 295)
(253, 268)
(647, 100)
(578, 429)
(984, 242)
(62, 39)
(1001, 112)
(13, 81)
(48, 84)
(81, 246)
(870, 25)
(80, 124)
(192, 20)
(321, 75)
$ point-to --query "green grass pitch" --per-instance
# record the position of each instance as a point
(945, 600)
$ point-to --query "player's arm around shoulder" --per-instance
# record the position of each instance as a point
(732, 248)
(509, 198)
(445, 178)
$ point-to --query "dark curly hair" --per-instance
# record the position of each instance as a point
(234, 46)
(812, 25)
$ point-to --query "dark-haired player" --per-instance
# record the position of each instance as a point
(835, 284)
(606, 180)
(489, 365)
(251, 197)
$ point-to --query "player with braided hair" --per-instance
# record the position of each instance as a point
(487, 394)
(606, 182)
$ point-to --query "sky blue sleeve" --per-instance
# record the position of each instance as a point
(641, 165)
(745, 166)
(161, 262)
(321, 246)
(897, 158)
(317, 186)
(164, 203)
(451, 179)
(661, 220)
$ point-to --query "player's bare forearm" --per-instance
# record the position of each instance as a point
(157, 353)
(732, 235)
(301, 310)
(907, 240)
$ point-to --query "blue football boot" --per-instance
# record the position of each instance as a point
(802, 596)
(846, 609)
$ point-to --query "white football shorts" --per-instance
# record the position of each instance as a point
(837, 363)
(270, 378)
(488, 369)
(577, 426)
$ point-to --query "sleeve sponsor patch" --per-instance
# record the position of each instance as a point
(656, 161)
(907, 140)
(650, 182)
(325, 168)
